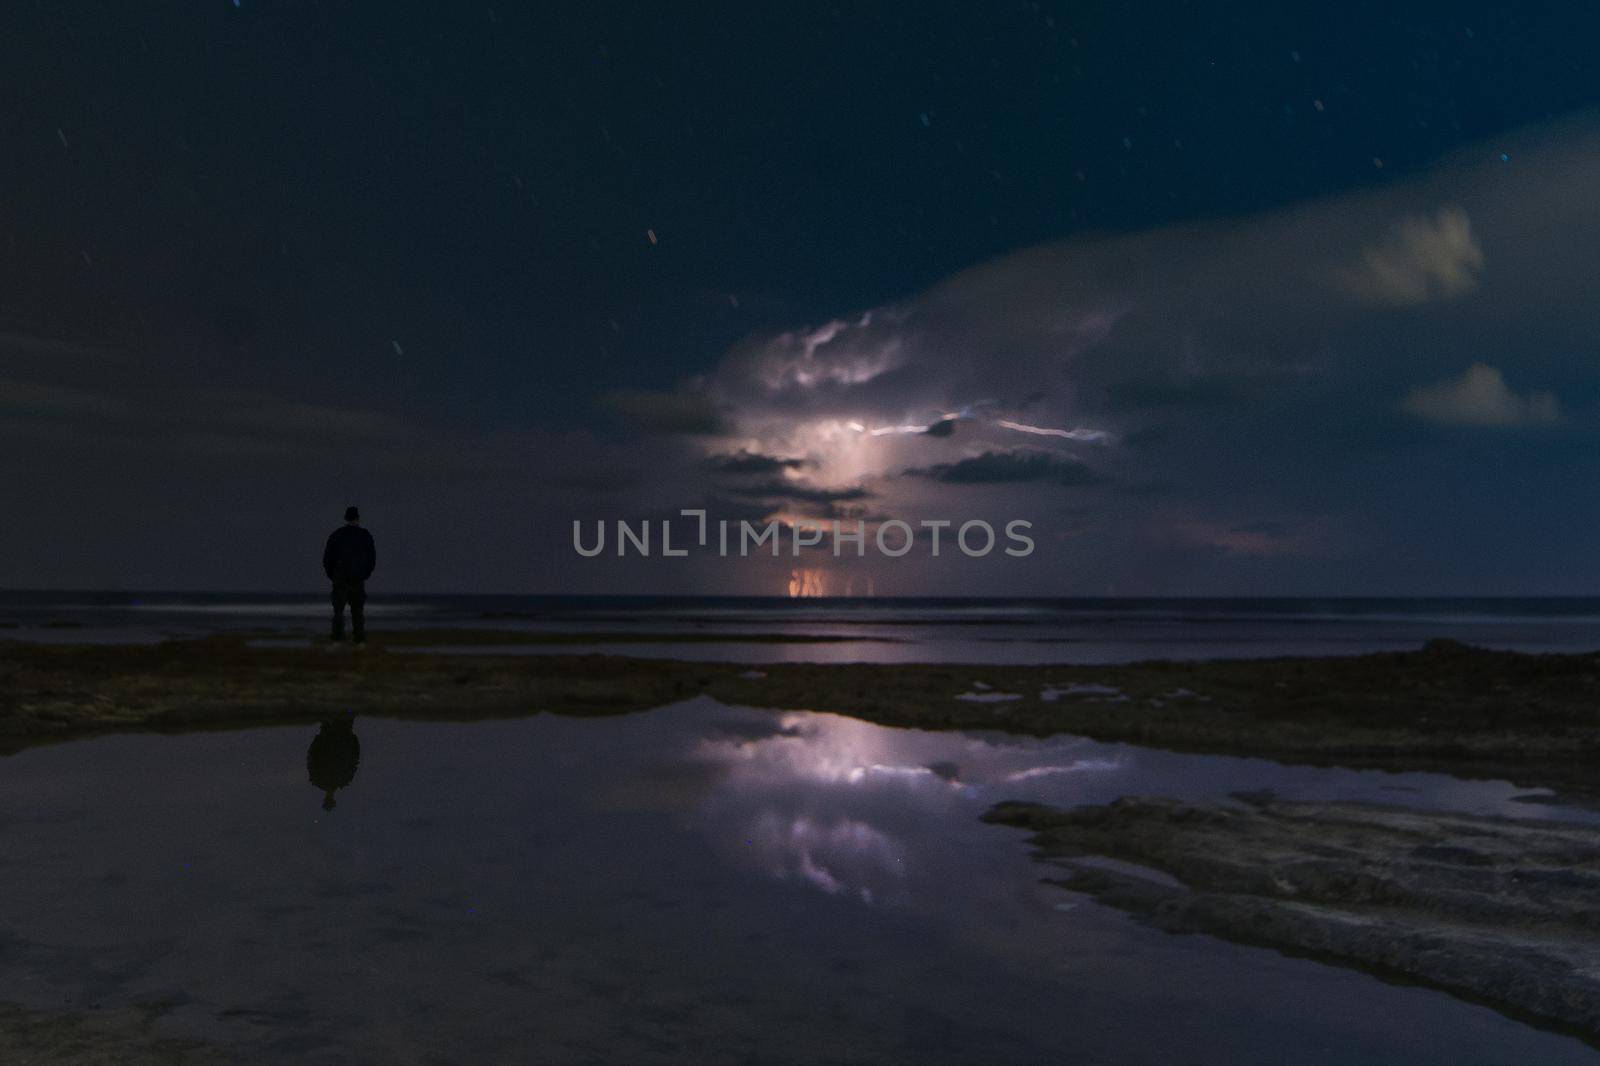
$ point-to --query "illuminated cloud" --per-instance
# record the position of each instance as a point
(1183, 382)
(993, 468)
(799, 493)
(744, 462)
(842, 856)
(1425, 258)
(836, 355)
(1092, 436)
(1077, 766)
(1480, 397)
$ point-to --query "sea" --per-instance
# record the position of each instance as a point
(1077, 630)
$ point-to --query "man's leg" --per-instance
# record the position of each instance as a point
(358, 610)
(338, 597)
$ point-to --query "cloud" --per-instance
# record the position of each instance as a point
(112, 407)
(837, 355)
(1092, 436)
(34, 398)
(1480, 397)
(1210, 373)
(1175, 391)
(1256, 540)
(993, 468)
(21, 346)
(668, 413)
(799, 493)
(744, 462)
(1423, 259)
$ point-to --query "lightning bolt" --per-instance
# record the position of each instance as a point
(1086, 435)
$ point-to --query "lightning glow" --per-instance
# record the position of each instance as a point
(1093, 436)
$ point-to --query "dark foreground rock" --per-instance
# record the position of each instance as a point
(1503, 911)
(124, 1036)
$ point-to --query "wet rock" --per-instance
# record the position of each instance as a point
(1502, 910)
(1444, 647)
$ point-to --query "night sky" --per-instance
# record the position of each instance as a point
(1314, 287)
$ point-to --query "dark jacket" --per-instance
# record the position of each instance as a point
(350, 554)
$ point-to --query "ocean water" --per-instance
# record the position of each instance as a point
(870, 630)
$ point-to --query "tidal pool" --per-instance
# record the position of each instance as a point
(701, 884)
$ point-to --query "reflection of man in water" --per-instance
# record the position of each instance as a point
(332, 758)
(348, 559)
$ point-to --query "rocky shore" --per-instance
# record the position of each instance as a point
(1499, 910)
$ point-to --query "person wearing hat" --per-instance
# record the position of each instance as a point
(348, 560)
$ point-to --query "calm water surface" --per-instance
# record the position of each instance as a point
(697, 884)
(865, 630)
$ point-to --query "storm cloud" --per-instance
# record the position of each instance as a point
(1247, 366)
(994, 468)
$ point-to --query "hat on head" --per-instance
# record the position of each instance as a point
(352, 514)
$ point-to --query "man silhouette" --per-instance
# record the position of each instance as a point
(348, 560)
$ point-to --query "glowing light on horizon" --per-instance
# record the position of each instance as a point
(807, 583)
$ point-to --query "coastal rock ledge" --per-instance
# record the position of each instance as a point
(1500, 910)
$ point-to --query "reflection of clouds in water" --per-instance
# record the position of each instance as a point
(845, 856)
(893, 771)
(1071, 768)
(827, 749)
(840, 803)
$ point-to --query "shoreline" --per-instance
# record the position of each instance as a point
(1449, 708)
